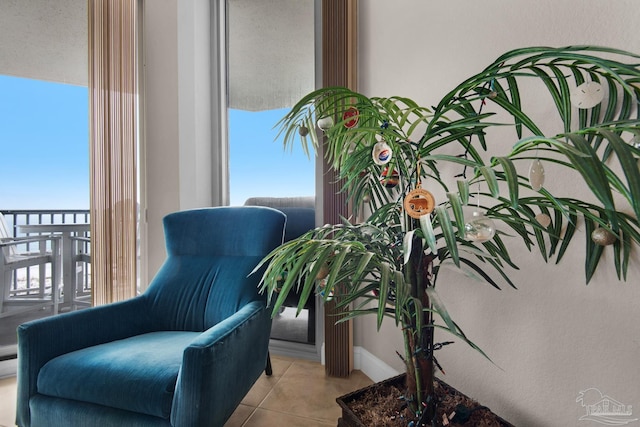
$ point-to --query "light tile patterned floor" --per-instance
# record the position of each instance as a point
(298, 394)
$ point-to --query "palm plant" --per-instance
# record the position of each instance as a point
(388, 264)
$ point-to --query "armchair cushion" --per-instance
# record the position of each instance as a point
(118, 373)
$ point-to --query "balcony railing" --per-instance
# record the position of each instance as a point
(23, 280)
(15, 218)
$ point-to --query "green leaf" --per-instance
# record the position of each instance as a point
(511, 176)
(384, 292)
(429, 234)
(491, 180)
(594, 251)
(463, 190)
(456, 206)
(407, 241)
(629, 166)
(448, 233)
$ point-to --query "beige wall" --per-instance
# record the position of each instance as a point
(554, 336)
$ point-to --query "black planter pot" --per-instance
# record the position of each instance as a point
(350, 419)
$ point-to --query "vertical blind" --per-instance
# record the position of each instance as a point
(339, 68)
(113, 129)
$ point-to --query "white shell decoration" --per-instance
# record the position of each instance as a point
(603, 237)
(543, 219)
(325, 123)
(587, 95)
(536, 175)
(381, 153)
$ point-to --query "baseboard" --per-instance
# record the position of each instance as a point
(372, 366)
(8, 368)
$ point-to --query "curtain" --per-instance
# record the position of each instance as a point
(113, 41)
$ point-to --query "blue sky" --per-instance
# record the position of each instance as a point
(259, 166)
(44, 150)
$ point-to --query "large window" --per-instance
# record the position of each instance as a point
(258, 164)
(270, 66)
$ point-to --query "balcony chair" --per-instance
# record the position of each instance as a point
(301, 217)
(183, 353)
(81, 263)
(13, 257)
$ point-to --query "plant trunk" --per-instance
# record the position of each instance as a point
(418, 336)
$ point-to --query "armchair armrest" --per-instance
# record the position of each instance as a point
(44, 339)
(209, 388)
(13, 241)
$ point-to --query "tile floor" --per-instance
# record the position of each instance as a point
(298, 394)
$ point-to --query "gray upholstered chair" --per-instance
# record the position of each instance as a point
(301, 217)
(184, 353)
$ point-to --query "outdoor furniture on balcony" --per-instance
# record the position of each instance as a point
(81, 269)
(67, 232)
(15, 254)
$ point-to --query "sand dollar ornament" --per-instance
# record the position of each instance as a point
(381, 153)
(587, 95)
(419, 202)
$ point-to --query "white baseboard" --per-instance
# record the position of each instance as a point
(371, 366)
(8, 368)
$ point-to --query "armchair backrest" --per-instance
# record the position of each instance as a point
(210, 254)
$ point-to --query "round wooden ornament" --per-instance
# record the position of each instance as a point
(419, 202)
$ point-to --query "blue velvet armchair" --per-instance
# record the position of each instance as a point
(184, 353)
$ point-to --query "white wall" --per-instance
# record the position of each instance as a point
(554, 336)
(177, 114)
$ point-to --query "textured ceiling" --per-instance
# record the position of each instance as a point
(44, 40)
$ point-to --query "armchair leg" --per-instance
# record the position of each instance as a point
(268, 370)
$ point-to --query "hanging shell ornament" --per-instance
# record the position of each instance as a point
(303, 130)
(323, 272)
(351, 117)
(587, 95)
(536, 175)
(603, 237)
(381, 153)
(389, 180)
(543, 219)
(325, 123)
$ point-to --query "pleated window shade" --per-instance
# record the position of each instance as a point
(339, 68)
(113, 92)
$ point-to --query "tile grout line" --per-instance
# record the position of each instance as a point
(266, 395)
